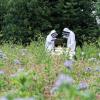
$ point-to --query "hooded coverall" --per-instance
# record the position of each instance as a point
(50, 41)
(71, 42)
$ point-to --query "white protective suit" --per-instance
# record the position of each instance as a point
(71, 42)
(50, 41)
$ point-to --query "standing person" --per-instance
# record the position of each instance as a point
(71, 42)
(50, 41)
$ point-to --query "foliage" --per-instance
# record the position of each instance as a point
(98, 8)
(25, 20)
(38, 71)
(98, 12)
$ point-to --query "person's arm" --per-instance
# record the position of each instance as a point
(71, 42)
(53, 39)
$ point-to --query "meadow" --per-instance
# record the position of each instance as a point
(30, 72)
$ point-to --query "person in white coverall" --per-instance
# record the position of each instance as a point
(71, 42)
(50, 41)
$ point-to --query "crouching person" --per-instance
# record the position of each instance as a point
(71, 42)
(50, 41)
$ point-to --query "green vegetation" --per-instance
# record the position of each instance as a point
(37, 72)
(29, 71)
(23, 21)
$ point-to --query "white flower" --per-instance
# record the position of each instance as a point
(92, 59)
(23, 52)
(98, 69)
(99, 54)
(82, 53)
(58, 50)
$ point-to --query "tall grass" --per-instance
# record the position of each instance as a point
(40, 71)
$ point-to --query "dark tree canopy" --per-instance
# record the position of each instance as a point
(24, 20)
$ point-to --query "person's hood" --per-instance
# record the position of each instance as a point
(66, 30)
(53, 31)
(49, 37)
(53, 34)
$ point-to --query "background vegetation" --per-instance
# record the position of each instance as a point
(22, 21)
(30, 71)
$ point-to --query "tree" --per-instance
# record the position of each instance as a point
(77, 15)
(27, 19)
(98, 11)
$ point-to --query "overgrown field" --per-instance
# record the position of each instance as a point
(31, 72)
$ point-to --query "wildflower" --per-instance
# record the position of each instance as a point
(1, 51)
(2, 55)
(23, 52)
(16, 61)
(62, 79)
(14, 75)
(68, 64)
(58, 51)
(98, 62)
(1, 72)
(99, 54)
(97, 69)
(20, 70)
(82, 86)
(54, 89)
(82, 53)
(3, 98)
(79, 74)
(88, 69)
(92, 59)
(32, 98)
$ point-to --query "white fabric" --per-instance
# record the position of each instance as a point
(49, 45)
(71, 42)
(66, 30)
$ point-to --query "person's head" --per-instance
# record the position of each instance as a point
(66, 33)
(53, 33)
